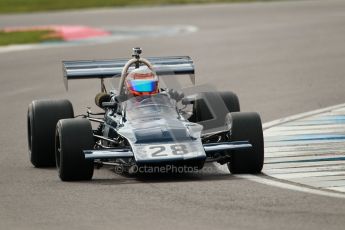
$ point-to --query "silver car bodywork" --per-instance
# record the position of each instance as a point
(157, 132)
(154, 127)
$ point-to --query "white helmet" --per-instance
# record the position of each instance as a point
(142, 81)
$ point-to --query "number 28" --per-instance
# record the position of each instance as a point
(175, 149)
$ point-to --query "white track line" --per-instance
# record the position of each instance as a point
(301, 115)
(267, 180)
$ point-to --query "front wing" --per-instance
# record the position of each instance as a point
(165, 152)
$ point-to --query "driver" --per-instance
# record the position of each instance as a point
(144, 82)
(141, 82)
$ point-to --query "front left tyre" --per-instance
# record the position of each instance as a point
(42, 118)
(246, 127)
(71, 138)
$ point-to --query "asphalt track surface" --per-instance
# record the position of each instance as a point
(282, 58)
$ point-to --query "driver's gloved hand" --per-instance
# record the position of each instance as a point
(174, 94)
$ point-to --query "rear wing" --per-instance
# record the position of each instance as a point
(179, 65)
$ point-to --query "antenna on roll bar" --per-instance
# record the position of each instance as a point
(136, 54)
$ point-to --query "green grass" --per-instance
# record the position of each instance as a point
(15, 6)
(26, 37)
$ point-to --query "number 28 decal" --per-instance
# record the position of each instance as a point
(175, 150)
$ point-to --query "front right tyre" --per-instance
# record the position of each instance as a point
(72, 137)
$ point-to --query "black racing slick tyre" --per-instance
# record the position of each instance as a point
(231, 101)
(72, 137)
(201, 110)
(247, 127)
(42, 118)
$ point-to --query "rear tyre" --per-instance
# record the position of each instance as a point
(201, 112)
(41, 122)
(72, 137)
(247, 126)
(231, 101)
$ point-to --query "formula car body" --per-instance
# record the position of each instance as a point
(143, 130)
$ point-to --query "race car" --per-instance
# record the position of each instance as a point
(142, 123)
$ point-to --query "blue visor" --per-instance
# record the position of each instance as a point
(143, 85)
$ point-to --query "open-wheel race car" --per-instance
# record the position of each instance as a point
(142, 123)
